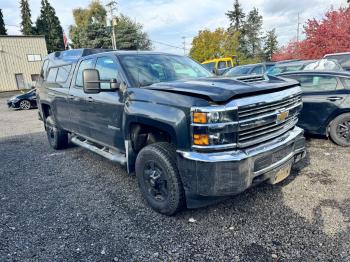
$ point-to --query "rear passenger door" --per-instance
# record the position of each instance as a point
(322, 96)
(58, 87)
(78, 106)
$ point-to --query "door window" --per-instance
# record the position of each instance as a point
(222, 65)
(346, 82)
(229, 63)
(51, 77)
(63, 73)
(107, 69)
(316, 83)
(258, 70)
(85, 64)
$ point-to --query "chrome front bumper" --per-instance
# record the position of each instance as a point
(231, 172)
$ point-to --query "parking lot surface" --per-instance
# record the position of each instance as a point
(73, 205)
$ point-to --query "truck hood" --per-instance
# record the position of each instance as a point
(222, 89)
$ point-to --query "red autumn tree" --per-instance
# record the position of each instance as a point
(329, 35)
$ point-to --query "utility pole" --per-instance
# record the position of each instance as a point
(184, 43)
(298, 32)
(298, 27)
(112, 9)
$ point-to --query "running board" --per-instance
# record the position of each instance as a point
(103, 151)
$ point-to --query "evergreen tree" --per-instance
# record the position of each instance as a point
(94, 35)
(236, 17)
(49, 25)
(129, 35)
(26, 24)
(251, 34)
(3, 30)
(271, 45)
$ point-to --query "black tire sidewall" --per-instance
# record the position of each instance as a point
(333, 129)
(60, 137)
(169, 168)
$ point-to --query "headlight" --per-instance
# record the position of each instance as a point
(14, 100)
(214, 127)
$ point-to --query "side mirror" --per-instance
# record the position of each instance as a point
(91, 80)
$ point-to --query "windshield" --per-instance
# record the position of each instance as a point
(209, 66)
(283, 69)
(238, 70)
(147, 69)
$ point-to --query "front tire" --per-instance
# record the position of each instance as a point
(25, 105)
(159, 178)
(340, 130)
(58, 138)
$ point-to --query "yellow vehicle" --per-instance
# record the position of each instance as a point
(220, 65)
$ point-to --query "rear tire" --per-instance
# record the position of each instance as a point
(339, 130)
(58, 138)
(159, 178)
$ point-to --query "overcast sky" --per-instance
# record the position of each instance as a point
(167, 21)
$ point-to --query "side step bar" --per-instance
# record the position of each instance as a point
(103, 151)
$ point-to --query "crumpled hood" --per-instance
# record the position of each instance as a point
(222, 89)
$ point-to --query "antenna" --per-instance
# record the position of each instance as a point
(112, 9)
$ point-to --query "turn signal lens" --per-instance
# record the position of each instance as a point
(201, 140)
(199, 118)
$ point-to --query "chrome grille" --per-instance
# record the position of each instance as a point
(259, 122)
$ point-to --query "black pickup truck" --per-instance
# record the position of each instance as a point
(192, 139)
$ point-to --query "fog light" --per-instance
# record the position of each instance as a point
(201, 140)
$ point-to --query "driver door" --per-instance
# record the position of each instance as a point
(104, 113)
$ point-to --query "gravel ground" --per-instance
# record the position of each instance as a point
(73, 205)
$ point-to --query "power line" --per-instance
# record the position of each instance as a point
(165, 44)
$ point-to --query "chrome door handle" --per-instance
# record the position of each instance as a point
(334, 98)
(71, 97)
(90, 99)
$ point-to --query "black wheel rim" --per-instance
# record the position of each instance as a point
(155, 181)
(343, 131)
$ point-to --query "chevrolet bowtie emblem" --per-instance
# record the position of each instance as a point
(282, 116)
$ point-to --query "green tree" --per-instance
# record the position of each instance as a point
(271, 44)
(26, 23)
(129, 35)
(3, 30)
(90, 30)
(49, 25)
(213, 44)
(251, 39)
(236, 17)
(94, 35)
